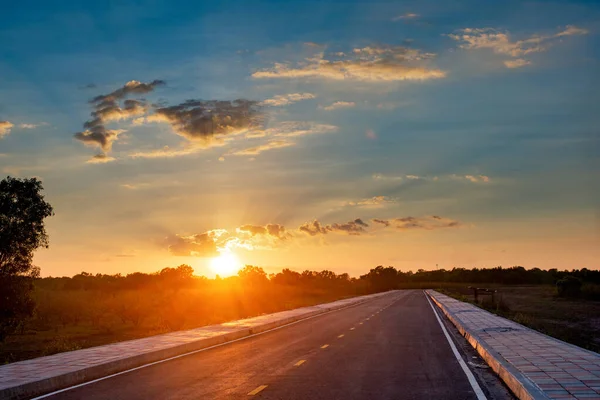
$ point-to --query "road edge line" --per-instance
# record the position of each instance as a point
(472, 381)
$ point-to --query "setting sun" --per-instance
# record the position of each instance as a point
(225, 264)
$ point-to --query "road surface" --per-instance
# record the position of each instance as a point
(389, 348)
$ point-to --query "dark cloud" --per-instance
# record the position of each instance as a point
(106, 108)
(428, 222)
(99, 136)
(204, 120)
(131, 87)
(274, 230)
(383, 222)
(199, 245)
(314, 228)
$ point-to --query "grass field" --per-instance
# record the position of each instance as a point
(572, 320)
(46, 334)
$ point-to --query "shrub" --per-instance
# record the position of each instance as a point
(569, 286)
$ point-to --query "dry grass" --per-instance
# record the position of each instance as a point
(573, 320)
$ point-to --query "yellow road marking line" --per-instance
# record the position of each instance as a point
(352, 328)
(325, 346)
(257, 390)
(299, 363)
(360, 323)
(340, 336)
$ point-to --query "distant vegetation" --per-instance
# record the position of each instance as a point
(87, 310)
(577, 283)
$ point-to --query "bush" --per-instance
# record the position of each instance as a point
(590, 291)
(569, 286)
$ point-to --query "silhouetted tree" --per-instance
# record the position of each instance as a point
(22, 214)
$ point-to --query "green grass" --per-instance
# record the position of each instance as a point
(575, 321)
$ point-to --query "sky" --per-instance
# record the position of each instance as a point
(335, 135)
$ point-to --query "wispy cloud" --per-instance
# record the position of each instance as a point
(426, 223)
(32, 126)
(470, 178)
(5, 127)
(376, 201)
(252, 151)
(370, 64)
(500, 42)
(516, 63)
(294, 129)
(338, 104)
(100, 159)
(383, 177)
(166, 152)
(284, 100)
(477, 178)
(406, 16)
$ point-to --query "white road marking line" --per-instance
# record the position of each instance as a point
(478, 392)
(188, 354)
(257, 390)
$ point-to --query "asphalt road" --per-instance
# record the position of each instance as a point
(389, 348)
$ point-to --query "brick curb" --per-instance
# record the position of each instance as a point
(62, 381)
(519, 384)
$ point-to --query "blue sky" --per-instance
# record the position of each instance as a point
(482, 114)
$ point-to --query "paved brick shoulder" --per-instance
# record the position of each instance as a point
(28, 378)
(547, 367)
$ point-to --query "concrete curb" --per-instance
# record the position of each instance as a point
(58, 382)
(519, 384)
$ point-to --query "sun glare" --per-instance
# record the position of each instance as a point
(225, 264)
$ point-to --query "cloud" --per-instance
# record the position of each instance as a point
(135, 186)
(209, 122)
(212, 243)
(426, 223)
(338, 104)
(166, 152)
(383, 222)
(516, 63)
(100, 159)
(382, 177)
(376, 201)
(369, 64)
(478, 178)
(106, 109)
(31, 126)
(5, 127)
(200, 245)
(471, 178)
(405, 17)
(314, 228)
(274, 230)
(300, 128)
(500, 42)
(252, 151)
(99, 137)
(284, 100)
(251, 237)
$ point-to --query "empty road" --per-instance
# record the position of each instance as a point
(389, 348)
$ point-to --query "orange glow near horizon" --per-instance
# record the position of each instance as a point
(226, 264)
